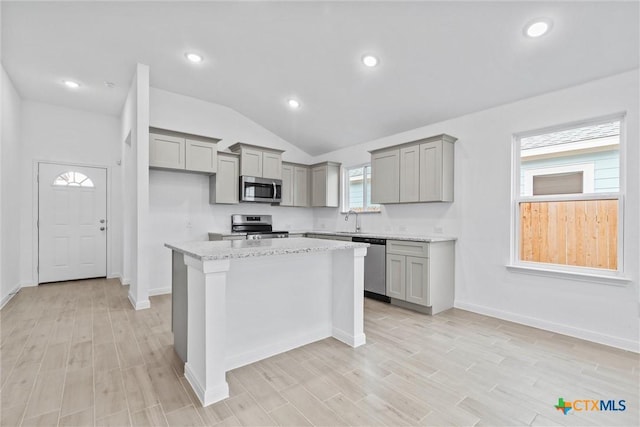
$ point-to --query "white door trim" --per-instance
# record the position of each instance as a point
(35, 213)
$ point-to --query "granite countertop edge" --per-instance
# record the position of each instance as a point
(417, 238)
(211, 251)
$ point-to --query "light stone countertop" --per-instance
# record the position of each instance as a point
(230, 249)
(374, 235)
(412, 238)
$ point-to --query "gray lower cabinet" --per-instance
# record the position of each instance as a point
(224, 185)
(420, 275)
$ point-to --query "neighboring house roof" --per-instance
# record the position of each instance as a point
(571, 135)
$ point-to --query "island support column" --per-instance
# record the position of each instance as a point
(348, 296)
(206, 328)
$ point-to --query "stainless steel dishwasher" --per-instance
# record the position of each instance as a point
(375, 264)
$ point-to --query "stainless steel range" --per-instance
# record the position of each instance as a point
(256, 227)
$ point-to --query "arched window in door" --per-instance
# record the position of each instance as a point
(73, 179)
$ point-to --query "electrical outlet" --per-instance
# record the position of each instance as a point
(438, 230)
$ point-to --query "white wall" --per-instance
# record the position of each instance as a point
(190, 115)
(179, 208)
(134, 145)
(10, 142)
(481, 215)
(63, 135)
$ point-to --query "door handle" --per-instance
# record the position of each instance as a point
(102, 221)
(101, 228)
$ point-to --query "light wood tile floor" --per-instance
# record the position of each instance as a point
(76, 354)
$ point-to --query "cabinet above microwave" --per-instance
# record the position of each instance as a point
(260, 162)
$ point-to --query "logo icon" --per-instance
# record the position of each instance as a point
(563, 406)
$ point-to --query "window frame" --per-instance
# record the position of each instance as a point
(588, 170)
(562, 270)
(344, 202)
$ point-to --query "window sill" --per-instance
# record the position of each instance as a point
(573, 275)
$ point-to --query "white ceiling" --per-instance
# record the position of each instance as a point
(438, 59)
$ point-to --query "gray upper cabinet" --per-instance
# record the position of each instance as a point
(201, 156)
(287, 184)
(174, 150)
(385, 176)
(418, 171)
(301, 186)
(223, 186)
(436, 170)
(325, 185)
(166, 151)
(250, 162)
(410, 174)
(257, 161)
(271, 165)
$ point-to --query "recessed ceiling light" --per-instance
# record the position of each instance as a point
(293, 103)
(537, 27)
(370, 60)
(71, 84)
(193, 57)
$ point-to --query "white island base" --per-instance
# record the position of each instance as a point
(241, 310)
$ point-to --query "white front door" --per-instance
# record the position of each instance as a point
(72, 217)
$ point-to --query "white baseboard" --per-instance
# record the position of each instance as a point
(290, 343)
(351, 340)
(207, 397)
(27, 285)
(585, 334)
(159, 291)
(139, 305)
(8, 297)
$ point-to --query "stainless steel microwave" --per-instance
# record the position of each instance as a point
(253, 189)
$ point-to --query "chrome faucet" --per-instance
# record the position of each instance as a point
(346, 218)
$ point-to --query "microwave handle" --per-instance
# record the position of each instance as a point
(274, 191)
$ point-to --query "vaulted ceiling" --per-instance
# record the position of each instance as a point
(438, 60)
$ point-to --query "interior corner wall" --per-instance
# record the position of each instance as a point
(52, 133)
(134, 140)
(480, 216)
(10, 144)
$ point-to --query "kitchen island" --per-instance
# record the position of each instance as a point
(240, 301)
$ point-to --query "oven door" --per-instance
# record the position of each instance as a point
(254, 189)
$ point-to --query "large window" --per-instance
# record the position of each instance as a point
(357, 190)
(567, 204)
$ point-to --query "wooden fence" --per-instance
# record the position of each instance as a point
(582, 233)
